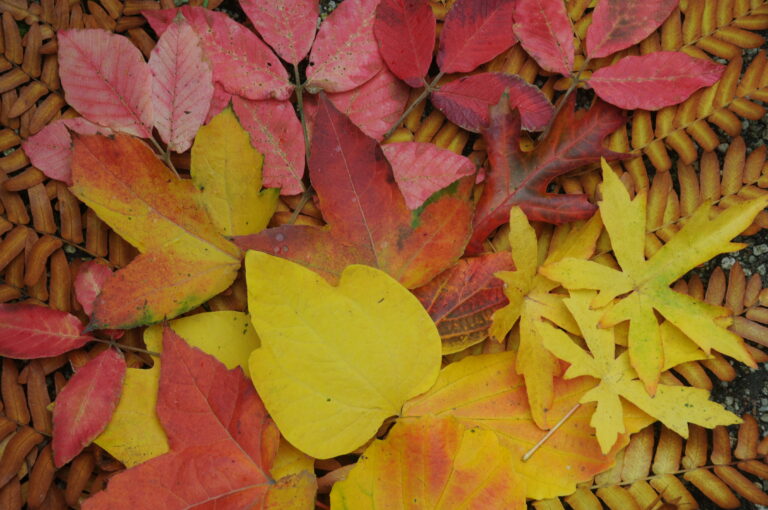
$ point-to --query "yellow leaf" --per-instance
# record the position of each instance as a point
(290, 461)
(675, 406)
(530, 298)
(334, 362)
(134, 433)
(227, 170)
(646, 282)
(432, 463)
(294, 492)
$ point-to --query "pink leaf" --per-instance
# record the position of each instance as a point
(286, 25)
(31, 331)
(50, 150)
(618, 24)
(405, 31)
(85, 405)
(275, 132)
(474, 32)
(653, 81)
(375, 105)
(545, 32)
(88, 283)
(241, 62)
(219, 101)
(105, 78)
(466, 101)
(421, 169)
(345, 54)
(182, 87)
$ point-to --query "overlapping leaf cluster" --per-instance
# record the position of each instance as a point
(347, 323)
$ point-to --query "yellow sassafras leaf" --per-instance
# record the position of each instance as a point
(227, 170)
(675, 406)
(334, 362)
(290, 461)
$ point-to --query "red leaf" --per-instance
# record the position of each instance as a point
(286, 25)
(182, 87)
(462, 299)
(275, 132)
(474, 32)
(521, 178)
(545, 32)
(31, 331)
(222, 440)
(105, 78)
(655, 80)
(50, 150)
(422, 169)
(85, 405)
(405, 31)
(90, 278)
(466, 101)
(219, 101)
(618, 24)
(368, 220)
(241, 62)
(345, 54)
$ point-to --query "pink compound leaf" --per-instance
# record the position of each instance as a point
(288, 26)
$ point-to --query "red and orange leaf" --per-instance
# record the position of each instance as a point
(462, 299)
(654, 80)
(31, 331)
(90, 278)
(422, 169)
(345, 54)
(105, 78)
(288, 26)
(521, 178)
(618, 24)
(276, 133)
(50, 150)
(368, 221)
(85, 405)
(485, 391)
(405, 31)
(182, 85)
(434, 463)
(466, 101)
(185, 260)
(545, 32)
(241, 62)
(222, 440)
(474, 32)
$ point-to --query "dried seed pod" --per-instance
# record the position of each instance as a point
(80, 471)
(37, 258)
(38, 398)
(40, 478)
(14, 399)
(18, 447)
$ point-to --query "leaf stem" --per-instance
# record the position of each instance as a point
(117, 345)
(428, 89)
(165, 155)
(307, 194)
(535, 448)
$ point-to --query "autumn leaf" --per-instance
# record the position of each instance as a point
(105, 78)
(674, 406)
(618, 24)
(90, 278)
(182, 85)
(521, 178)
(368, 220)
(545, 32)
(654, 80)
(288, 26)
(227, 171)
(405, 32)
(644, 284)
(531, 299)
(184, 260)
(485, 391)
(462, 298)
(456, 467)
(325, 357)
(32, 331)
(85, 405)
(215, 423)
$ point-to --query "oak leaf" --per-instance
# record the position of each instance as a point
(644, 284)
(674, 406)
(325, 356)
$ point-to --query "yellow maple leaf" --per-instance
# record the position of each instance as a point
(530, 298)
(674, 406)
(644, 284)
(334, 362)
